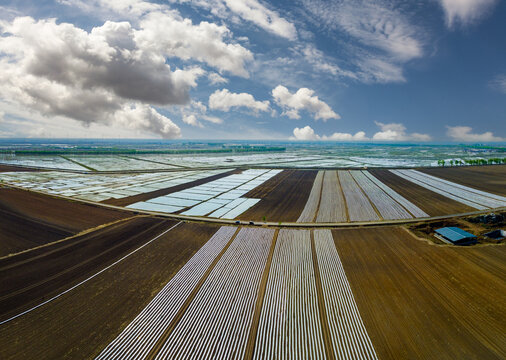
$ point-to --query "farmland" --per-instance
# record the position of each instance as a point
(121, 283)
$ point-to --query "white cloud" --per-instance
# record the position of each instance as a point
(465, 11)
(191, 119)
(397, 132)
(98, 76)
(215, 78)
(250, 10)
(144, 117)
(358, 136)
(196, 110)
(224, 100)
(175, 36)
(307, 133)
(303, 99)
(260, 15)
(382, 38)
(463, 133)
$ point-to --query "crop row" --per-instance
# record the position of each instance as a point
(144, 331)
(348, 334)
(289, 324)
(217, 322)
(359, 207)
(309, 212)
(460, 193)
(387, 207)
(332, 205)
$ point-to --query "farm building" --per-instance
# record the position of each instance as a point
(455, 235)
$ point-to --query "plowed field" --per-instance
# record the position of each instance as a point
(285, 201)
(421, 301)
(430, 202)
(487, 178)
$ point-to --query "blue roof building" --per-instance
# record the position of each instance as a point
(455, 235)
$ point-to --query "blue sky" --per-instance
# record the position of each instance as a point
(344, 70)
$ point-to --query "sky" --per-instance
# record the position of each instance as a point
(339, 70)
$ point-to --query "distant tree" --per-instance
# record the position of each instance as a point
(451, 162)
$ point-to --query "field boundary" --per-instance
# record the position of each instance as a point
(262, 223)
(90, 277)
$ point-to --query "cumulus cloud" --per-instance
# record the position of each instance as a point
(195, 111)
(307, 133)
(172, 35)
(464, 133)
(99, 76)
(224, 100)
(303, 99)
(397, 132)
(250, 10)
(465, 11)
(358, 136)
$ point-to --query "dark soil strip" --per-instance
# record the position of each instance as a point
(11, 168)
(18, 233)
(432, 203)
(485, 178)
(155, 162)
(267, 187)
(286, 201)
(250, 346)
(78, 163)
(327, 339)
(69, 215)
(159, 344)
(39, 276)
(154, 194)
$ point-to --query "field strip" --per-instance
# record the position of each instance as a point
(155, 162)
(438, 190)
(81, 233)
(359, 206)
(327, 335)
(218, 321)
(463, 193)
(349, 335)
(332, 206)
(312, 203)
(89, 278)
(388, 208)
(500, 198)
(289, 324)
(250, 346)
(139, 338)
(78, 163)
(408, 205)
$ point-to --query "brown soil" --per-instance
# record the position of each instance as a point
(490, 178)
(421, 301)
(29, 219)
(9, 168)
(18, 233)
(264, 189)
(162, 192)
(81, 323)
(285, 201)
(32, 277)
(432, 203)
